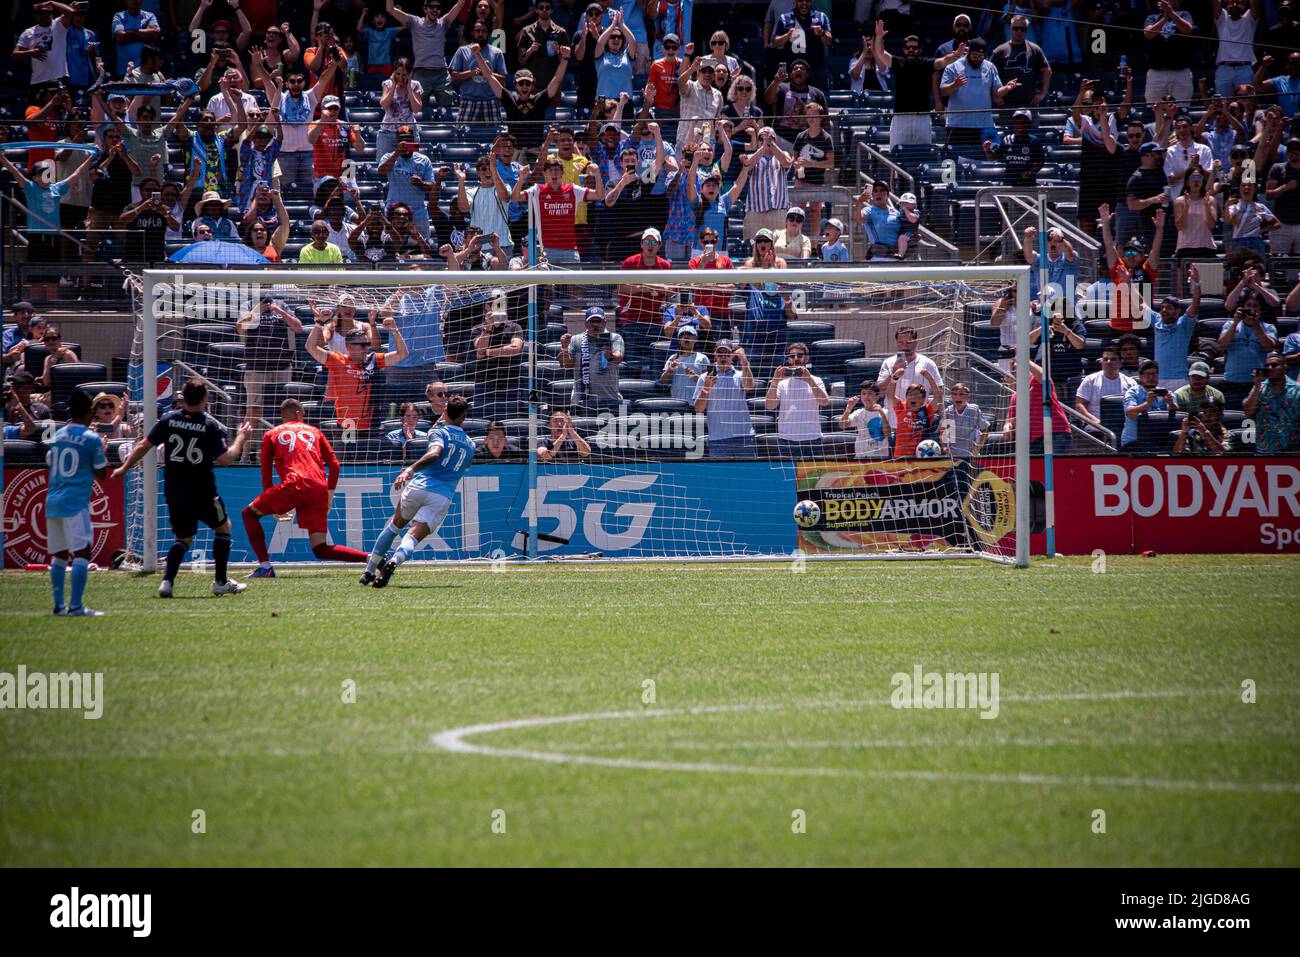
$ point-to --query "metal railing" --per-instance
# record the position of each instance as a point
(1018, 208)
(1086, 433)
(899, 179)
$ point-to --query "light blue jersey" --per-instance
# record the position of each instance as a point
(457, 454)
(74, 455)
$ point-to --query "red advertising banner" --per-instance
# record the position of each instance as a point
(23, 509)
(1190, 505)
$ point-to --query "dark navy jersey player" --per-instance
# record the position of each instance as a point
(193, 444)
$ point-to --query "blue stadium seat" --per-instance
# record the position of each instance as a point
(24, 452)
(548, 371)
(828, 356)
(838, 445)
(857, 371)
(632, 389)
(1155, 432)
(558, 393)
(197, 338)
(666, 406)
(92, 389)
(809, 330)
(66, 377)
(222, 362)
(1112, 413)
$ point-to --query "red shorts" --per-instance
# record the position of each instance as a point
(308, 500)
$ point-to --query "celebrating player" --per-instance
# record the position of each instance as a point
(430, 486)
(76, 459)
(301, 455)
(194, 444)
(437, 394)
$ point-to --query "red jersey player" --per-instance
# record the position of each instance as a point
(302, 456)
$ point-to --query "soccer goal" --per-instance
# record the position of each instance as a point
(605, 431)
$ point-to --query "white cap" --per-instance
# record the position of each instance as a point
(650, 231)
(346, 300)
(833, 222)
(907, 198)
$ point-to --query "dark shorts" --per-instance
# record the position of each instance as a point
(186, 512)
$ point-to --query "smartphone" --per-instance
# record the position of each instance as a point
(1263, 372)
(1160, 393)
(156, 197)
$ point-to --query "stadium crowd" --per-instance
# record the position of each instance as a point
(337, 132)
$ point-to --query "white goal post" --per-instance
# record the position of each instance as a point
(160, 326)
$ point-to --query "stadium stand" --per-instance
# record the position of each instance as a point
(383, 159)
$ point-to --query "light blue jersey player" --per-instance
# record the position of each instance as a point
(430, 485)
(76, 456)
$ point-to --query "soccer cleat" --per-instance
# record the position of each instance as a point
(60, 610)
(367, 578)
(83, 612)
(385, 572)
(261, 571)
(228, 588)
(165, 589)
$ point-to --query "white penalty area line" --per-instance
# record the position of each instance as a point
(454, 741)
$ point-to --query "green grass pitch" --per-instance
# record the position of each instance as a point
(1120, 692)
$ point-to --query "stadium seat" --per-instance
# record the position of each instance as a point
(857, 371)
(1155, 431)
(518, 428)
(633, 389)
(1100, 329)
(1112, 413)
(809, 330)
(302, 391)
(68, 376)
(198, 337)
(92, 389)
(838, 445)
(448, 371)
(24, 452)
(661, 405)
(465, 387)
(475, 426)
(828, 357)
(558, 393)
(34, 357)
(461, 153)
(548, 371)
(407, 383)
(222, 361)
(422, 425)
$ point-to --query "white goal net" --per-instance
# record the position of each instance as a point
(649, 414)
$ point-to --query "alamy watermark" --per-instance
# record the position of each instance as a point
(75, 909)
(678, 431)
(56, 690)
(209, 300)
(933, 689)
